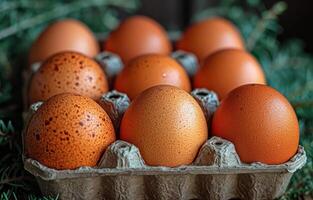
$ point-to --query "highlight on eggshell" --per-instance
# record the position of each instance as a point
(260, 122)
(149, 70)
(166, 124)
(68, 131)
(69, 72)
(138, 35)
(228, 69)
(210, 35)
(64, 35)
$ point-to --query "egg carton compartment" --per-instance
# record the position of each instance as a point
(216, 173)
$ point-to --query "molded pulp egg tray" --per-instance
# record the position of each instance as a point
(216, 173)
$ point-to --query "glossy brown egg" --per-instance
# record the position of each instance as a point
(150, 70)
(68, 131)
(227, 69)
(68, 72)
(210, 35)
(136, 36)
(64, 35)
(166, 124)
(260, 122)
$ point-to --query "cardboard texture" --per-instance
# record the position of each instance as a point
(111, 64)
(188, 60)
(208, 102)
(217, 172)
(115, 104)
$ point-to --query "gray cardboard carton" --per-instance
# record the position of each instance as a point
(216, 173)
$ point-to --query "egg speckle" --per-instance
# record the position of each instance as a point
(166, 124)
(64, 35)
(68, 72)
(68, 131)
(150, 70)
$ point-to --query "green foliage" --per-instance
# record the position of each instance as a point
(301, 183)
(287, 67)
(5, 130)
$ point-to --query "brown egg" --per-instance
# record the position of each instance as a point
(64, 35)
(166, 124)
(136, 36)
(208, 36)
(68, 131)
(260, 122)
(227, 69)
(68, 72)
(150, 70)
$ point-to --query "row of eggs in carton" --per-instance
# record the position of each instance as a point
(72, 129)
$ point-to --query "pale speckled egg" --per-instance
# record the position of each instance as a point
(136, 36)
(227, 69)
(68, 131)
(210, 35)
(68, 72)
(64, 35)
(150, 70)
(166, 124)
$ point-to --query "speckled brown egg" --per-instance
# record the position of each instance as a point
(68, 72)
(68, 131)
(136, 36)
(150, 70)
(210, 35)
(166, 124)
(64, 35)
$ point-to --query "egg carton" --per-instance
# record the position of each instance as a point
(216, 173)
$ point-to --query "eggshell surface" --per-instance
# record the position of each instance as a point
(210, 35)
(227, 69)
(136, 36)
(68, 72)
(260, 122)
(64, 35)
(68, 131)
(150, 70)
(166, 124)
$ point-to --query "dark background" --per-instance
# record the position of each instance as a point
(297, 21)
